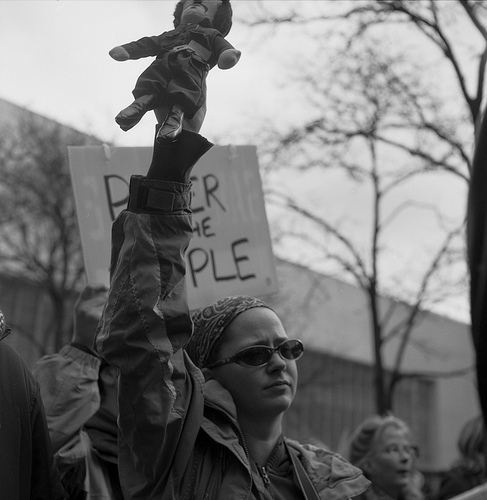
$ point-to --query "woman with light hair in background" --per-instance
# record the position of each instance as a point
(382, 447)
(470, 470)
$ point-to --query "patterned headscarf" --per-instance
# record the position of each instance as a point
(4, 328)
(211, 321)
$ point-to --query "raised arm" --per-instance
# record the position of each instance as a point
(146, 320)
(147, 46)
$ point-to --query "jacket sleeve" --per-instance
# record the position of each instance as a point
(69, 388)
(220, 45)
(147, 46)
(144, 326)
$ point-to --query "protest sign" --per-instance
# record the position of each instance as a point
(230, 253)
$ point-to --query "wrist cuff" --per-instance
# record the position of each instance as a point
(156, 196)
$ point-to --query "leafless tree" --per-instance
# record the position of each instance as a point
(39, 238)
(393, 101)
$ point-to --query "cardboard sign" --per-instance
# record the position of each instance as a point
(230, 253)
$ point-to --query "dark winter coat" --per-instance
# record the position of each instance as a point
(27, 469)
(180, 436)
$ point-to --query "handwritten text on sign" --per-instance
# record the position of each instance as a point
(231, 250)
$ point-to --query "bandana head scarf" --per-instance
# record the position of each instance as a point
(211, 321)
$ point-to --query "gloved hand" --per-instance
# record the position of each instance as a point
(87, 313)
(119, 54)
(228, 58)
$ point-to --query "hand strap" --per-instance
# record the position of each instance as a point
(304, 481)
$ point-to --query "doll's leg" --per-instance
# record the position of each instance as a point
(131, 115)
(172, 125)
(174, 121)
(193, 125)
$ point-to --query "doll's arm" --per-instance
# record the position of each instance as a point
(228, 58)
(119, 53)
(147, 46)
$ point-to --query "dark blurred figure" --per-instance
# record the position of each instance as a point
(80, 395)
(477, 259)
(470, 469)
(27, 469)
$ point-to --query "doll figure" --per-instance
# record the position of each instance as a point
(174, 85)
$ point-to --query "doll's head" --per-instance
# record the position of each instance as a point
(221, 19)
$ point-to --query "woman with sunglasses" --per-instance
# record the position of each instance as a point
(382, 447)
(200, 415)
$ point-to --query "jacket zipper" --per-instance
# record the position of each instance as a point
(240, 434)
(264, 475)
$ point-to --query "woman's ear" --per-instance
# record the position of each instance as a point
(368, 467)
(208, 374)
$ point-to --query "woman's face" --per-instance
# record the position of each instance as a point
(260, 392)
(390, 467)
(194, 11)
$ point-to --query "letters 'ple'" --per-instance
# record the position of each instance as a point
(200, 259)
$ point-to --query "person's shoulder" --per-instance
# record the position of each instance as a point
(330, 471)
(16, 379)
(463, 471)
(319, 454)
(12, 361)
(458, 479)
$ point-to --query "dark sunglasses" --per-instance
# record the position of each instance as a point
(260, 355)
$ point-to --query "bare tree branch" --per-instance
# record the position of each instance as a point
(39, 238)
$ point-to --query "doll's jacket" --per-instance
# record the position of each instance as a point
(211, 42)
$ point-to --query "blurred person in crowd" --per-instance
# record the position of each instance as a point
(27, 468)
(382, 447)
(80, 395)
(470, 469)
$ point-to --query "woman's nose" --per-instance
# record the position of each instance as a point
(276, 362)
(405, 456)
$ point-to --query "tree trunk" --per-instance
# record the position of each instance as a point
(379, 382)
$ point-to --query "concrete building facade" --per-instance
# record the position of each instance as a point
(331, 317)
(336, 374)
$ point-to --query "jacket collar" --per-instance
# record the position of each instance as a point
(332, 476)
(220, 420)
(217, 396)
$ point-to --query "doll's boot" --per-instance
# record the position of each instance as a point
(131, 115)
(172, 126)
